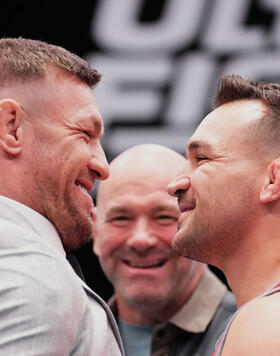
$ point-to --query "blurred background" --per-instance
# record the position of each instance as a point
(160, 60)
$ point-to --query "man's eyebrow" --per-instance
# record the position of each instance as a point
(194, 145)
(118, 210)
(165, 207)
(96, 124)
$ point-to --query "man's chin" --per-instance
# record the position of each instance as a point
(75, 246)
(179, 242)
(75, 235)
(151, 300)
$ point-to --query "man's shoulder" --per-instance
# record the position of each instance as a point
(39, 302)
(254, 330)
(258, 313)
(28, 260)
(14, 235)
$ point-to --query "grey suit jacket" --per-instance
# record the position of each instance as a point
(45, 308)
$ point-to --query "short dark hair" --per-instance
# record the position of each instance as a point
(266, 132)
(234, 87)
(24, 59)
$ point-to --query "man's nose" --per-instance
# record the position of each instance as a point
(178, 185)
(143, 237)
(98, 162)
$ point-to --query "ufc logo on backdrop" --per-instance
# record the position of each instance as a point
(159, 76)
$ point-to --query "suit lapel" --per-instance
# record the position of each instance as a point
(110, 316)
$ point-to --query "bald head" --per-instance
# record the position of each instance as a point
(136, 220)
(147, 154)
(142, 165)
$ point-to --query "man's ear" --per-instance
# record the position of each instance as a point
(271, 189)
(94, 218)
(10, 128)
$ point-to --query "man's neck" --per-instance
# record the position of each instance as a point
(254, 268)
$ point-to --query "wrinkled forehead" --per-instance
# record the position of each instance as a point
(136, 182)
(140, 194)
(139, 179)
(228, 121)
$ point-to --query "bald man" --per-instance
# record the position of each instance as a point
(164, 304)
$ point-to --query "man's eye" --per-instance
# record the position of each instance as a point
(166, 219)
(121, 220)
(88, 134)
(201, 158)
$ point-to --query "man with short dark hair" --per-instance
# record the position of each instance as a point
(164, 303)
(50, 156)
(230, 208)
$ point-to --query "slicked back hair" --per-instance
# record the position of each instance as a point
(25, 59)
(266, 132)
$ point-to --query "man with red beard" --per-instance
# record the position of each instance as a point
(229, 200)
(164, 303)
(50, 156)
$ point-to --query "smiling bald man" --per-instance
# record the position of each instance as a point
(164, 303)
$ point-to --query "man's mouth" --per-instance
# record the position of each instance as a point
(154, 264)
(84, 185)
(82, 188)
(186, 207)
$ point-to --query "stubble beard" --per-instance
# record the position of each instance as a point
(152, 303)
(74, 225)
(192, 242)
(216, 237)
(149, 300)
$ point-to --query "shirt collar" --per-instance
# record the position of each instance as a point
(39, 223)
(198, 311)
